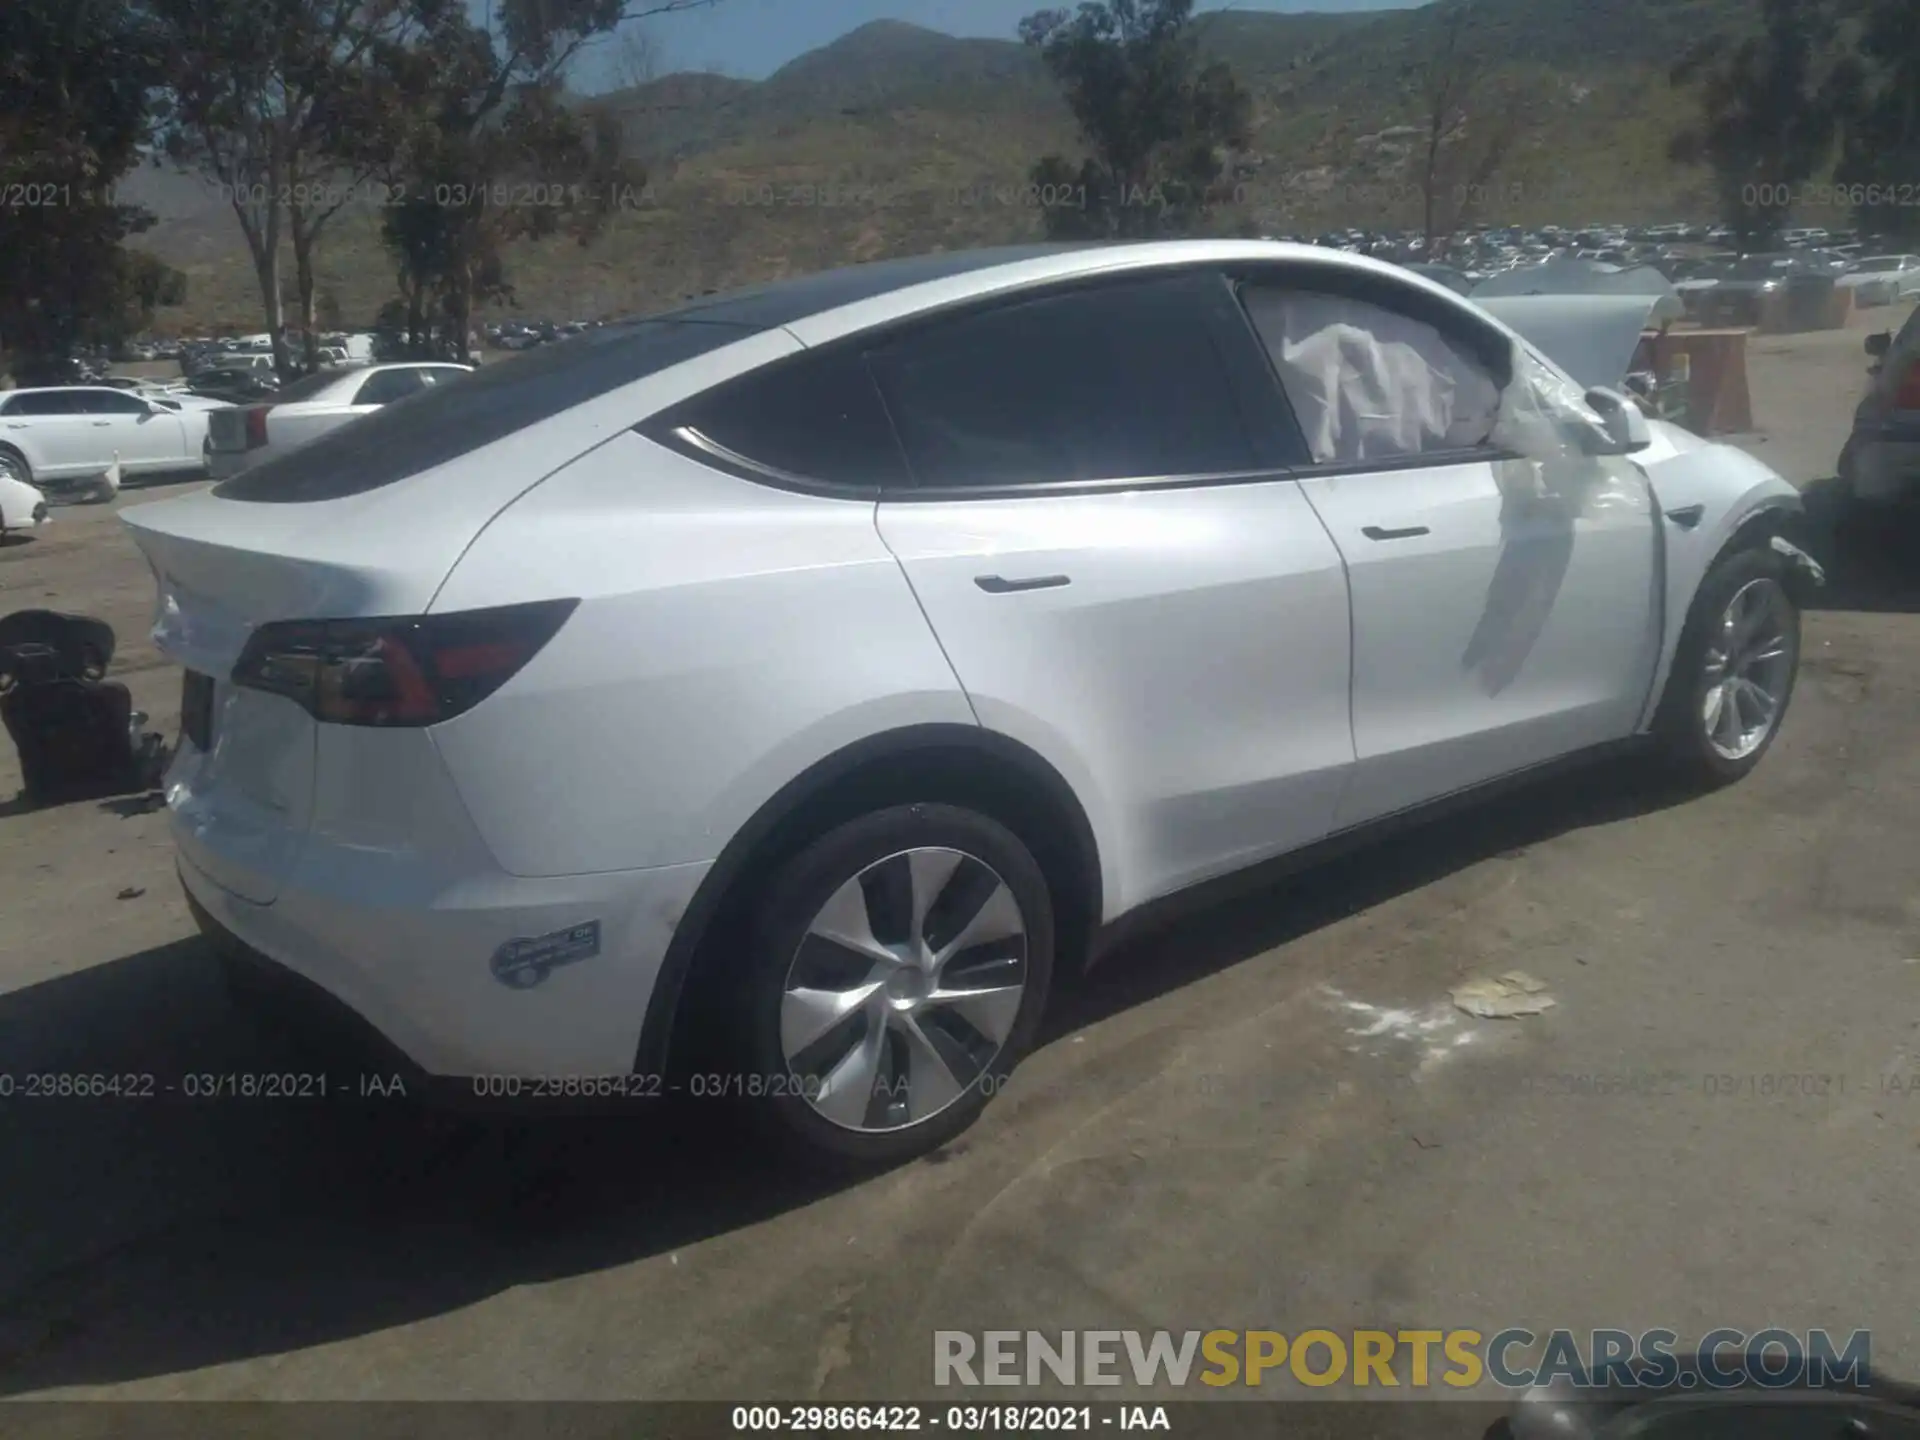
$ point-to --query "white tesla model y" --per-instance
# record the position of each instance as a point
(836, 659)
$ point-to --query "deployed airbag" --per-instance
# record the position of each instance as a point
(1367, 383)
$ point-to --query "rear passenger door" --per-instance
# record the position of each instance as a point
(126, 426)
(1122, 571)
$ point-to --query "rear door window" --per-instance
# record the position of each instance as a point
(383, 387)
(108, 402)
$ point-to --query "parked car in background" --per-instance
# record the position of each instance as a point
(1880, 464)
(233, 386)
(1742, 291)
(22, 507)
(310, 407)
(811, 673)
(1883, 279)
(71, 431)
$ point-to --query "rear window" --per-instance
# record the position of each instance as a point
(444, 422)
(308, 386)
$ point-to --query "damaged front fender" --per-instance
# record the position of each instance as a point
(1706, 497)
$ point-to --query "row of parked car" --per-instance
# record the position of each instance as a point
(58, 435)
(1722, 284)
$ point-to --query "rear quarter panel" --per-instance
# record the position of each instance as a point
(729, 636)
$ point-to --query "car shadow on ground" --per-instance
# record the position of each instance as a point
(153, 1232)
(1872, 560)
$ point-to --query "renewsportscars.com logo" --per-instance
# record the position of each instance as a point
(1514, 1359)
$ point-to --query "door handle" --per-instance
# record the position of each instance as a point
(1688, 516)
(1374, 532)
(101, 424)
(997, 585)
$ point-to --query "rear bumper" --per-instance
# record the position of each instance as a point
(424, 966)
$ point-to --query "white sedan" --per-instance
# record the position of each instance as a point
(307, 409)
(22, 507)
(67, 432)
(1883, 279)
(767, 699)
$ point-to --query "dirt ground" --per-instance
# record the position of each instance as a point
(1269, 1117)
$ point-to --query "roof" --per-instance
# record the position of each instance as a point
(781, 302)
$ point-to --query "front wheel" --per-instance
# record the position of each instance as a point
(1733, 670)
(897, 974)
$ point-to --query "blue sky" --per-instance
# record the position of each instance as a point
(753, 38)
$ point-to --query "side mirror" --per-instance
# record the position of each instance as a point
(1879, 345)
(1627, 432)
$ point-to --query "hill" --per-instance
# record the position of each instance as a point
(895, 138)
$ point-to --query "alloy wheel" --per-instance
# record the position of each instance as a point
(904, 989)
(1749, 666)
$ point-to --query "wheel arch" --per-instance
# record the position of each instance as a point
(1754, 527)
(954, 763)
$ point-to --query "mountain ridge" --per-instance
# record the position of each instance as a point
(896, 138)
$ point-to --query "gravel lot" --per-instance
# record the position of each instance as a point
(1269, 1117)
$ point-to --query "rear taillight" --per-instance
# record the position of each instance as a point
(1908, 397)
(257, 426)
(407, 671)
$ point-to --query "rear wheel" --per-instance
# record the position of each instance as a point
(897, 974)
(1733, 671)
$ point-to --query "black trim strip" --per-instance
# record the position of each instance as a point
(996, 585)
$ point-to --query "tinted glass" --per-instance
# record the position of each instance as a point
(108, 402)
(1115, 382)
(454, 420)
(309, 387)
(41, 402)
(817, 417)
(386, 386)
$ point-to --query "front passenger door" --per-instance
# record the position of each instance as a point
(1504, 609)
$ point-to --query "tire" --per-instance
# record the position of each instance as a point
(866, 879)
(1705, 754)
(14, 466)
